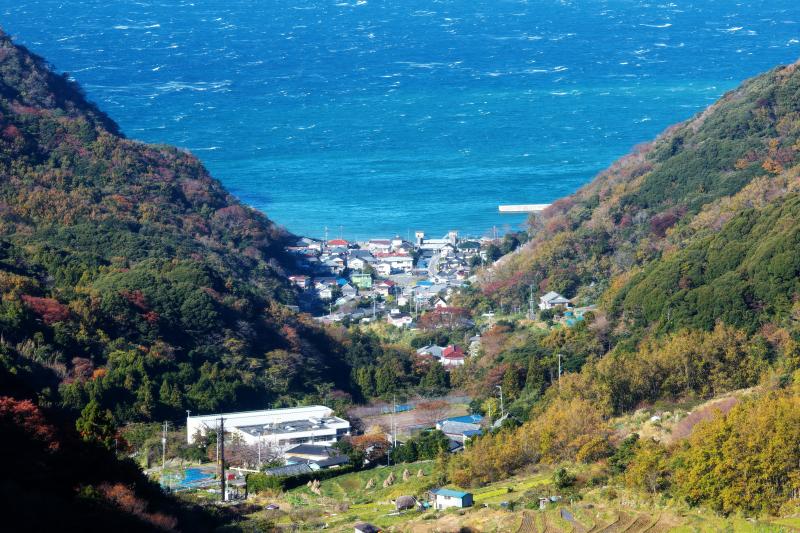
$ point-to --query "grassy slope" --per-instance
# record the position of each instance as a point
(598, 509)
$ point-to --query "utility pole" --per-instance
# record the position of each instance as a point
(502, 406)
(326, 235)
(530, 304)
(559, 371)
(164, 447)
(221, 456)
(394, 423)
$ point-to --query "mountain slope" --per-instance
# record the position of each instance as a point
(686, 185)
(129, 275)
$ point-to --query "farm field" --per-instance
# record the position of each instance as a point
(510, 505)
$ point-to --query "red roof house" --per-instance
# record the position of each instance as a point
(453, 356)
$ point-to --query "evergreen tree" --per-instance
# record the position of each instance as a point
(436, 378)
(95, 424)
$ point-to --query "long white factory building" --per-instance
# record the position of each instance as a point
(282, 428)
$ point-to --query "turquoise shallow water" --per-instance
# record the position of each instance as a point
(382, 117)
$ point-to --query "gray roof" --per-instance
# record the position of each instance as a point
(362, 254)
(435, 351)
(553, 297)
(333, 461)
(291, 426)
(451, 427)
(312, 449)
(289, 470)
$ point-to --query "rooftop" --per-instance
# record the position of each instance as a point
(312, 449)
(291, 426)
(450, 492)
(466, 419)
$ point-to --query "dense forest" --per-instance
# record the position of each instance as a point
(131, 280)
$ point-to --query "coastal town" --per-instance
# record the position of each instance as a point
(389, 279)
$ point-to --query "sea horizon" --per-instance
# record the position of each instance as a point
(383, 118)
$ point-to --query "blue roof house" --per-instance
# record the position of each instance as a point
(445, 498)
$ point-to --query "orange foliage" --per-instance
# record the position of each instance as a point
(25, 415)
(48, 309)
(124, 498)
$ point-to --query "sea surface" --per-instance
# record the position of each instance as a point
(381, 117)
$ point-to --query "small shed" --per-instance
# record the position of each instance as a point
(445, 498)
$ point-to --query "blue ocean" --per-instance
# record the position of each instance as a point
(381, 117)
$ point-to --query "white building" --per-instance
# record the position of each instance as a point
(551, 300)
(398, 319)
(451, 239)
(281, 428)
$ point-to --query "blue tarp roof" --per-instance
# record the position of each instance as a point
(450, 492)
(472, 432)
(467, 419)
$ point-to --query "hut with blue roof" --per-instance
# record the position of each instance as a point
(444, 498)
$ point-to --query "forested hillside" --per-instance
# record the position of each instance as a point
(686, 184)
(130, 278)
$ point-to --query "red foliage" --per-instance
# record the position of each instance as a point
(48, 309)
(11, 132)
(661, 222)
(25, 415)
(136, 298)
(448, 317)
(232, 216)
(124, 498)
(292, 337)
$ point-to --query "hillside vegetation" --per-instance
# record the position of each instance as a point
(690, 249)
(129, 276)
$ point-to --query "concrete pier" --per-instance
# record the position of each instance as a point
(523, 208)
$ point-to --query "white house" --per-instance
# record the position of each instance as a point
(383, 269)
(281, 428)
(300, 281)
(553, 299)
(453, 356)
(445, 498)
(440, 303)
(357, 263)
(398, 319)
(379, 245)
(398, 262)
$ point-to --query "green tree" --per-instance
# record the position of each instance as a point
(385, 380)
(649, 468)
(365, 379)
(511, 384)
(435, 380)
(95, 424)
